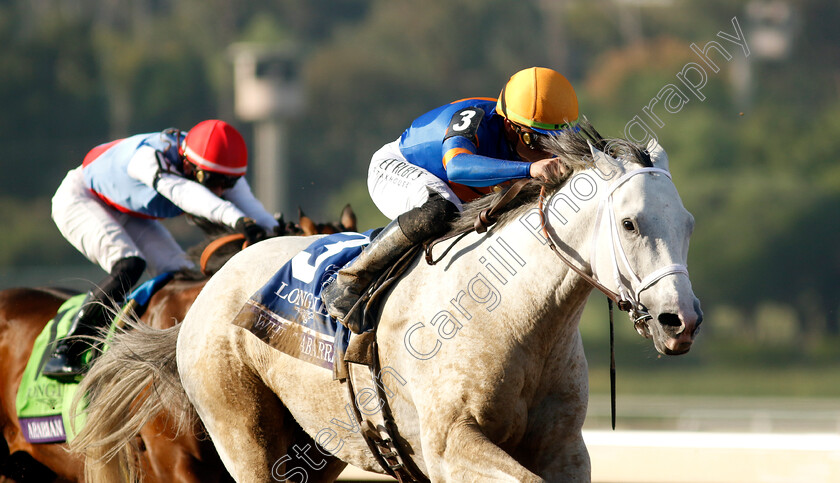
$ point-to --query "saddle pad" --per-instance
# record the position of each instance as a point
(43, 404)
(144, 292)
(288, 313)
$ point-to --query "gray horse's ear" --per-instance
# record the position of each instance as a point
(593, 149)
(596, 153)
(600, 157)
(657, 154)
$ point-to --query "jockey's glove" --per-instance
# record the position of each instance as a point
(252, 231)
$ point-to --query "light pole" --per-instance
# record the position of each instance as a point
(268, 92)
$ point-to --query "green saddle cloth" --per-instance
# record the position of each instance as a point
(43, 404)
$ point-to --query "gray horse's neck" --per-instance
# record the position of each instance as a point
(545, 299)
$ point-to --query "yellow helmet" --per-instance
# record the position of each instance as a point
(539, 98)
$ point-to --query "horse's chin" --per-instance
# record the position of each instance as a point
(675, 348)
(663, 344)
(643, 330)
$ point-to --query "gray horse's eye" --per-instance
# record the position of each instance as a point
(628, 224)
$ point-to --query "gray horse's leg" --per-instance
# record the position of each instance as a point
(558, 455)
(556, 450)
(553, 445)
(245, 419)
(470, 456)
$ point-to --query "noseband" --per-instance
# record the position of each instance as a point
(627, 298)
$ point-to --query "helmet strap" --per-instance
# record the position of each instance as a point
(526, 137)
(195, 172)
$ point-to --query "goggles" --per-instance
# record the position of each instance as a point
(528, 138)
(211, 180)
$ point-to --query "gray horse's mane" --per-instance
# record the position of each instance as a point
(572, 147)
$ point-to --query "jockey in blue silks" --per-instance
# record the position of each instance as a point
(448, 156)
(109, 206)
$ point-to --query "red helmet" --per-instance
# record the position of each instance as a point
(218, 147)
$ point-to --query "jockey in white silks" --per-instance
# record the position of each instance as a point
(109, 206)
(448, 156)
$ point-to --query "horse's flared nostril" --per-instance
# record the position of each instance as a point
(671, 323)
(670, 320)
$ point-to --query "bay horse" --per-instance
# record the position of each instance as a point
(165, 455)
(486, 374)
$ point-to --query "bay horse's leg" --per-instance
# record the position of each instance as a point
(186, 458)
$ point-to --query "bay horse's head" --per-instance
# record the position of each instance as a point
(640, 239)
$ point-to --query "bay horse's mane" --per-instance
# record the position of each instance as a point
(572, 146)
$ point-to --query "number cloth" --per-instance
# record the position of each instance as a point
(288, 313)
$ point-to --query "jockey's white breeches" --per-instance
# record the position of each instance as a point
(105, 235)
(396, 186)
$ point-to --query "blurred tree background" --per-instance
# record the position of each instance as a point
(755, 160)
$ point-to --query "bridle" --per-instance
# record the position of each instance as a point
(627, 298)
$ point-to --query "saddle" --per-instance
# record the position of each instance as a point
(360, 349)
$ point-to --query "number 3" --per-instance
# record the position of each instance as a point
(466, 117)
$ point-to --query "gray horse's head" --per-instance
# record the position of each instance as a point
(639, 247)
(642, 249)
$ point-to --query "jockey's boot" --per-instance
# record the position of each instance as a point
(413, 227)
(66, 361)
(341, 296)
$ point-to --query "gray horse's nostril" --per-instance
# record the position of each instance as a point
(670, 320)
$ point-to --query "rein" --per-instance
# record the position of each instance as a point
(623, 305)
(483, 221)
(215, 245)
(612, 296)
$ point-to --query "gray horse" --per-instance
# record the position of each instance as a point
(484, 366)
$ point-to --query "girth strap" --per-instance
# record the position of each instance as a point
(383, 440)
